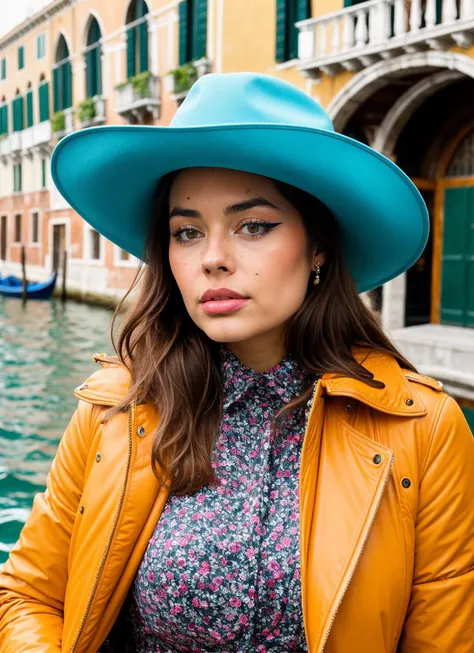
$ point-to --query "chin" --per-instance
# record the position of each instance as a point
(223, 331)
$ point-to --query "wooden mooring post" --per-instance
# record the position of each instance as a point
(64, 276)
(24, 293)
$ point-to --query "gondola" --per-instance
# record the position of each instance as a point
(13, 287)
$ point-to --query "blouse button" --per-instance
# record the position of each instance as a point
(141, 431)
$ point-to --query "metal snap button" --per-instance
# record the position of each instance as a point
(81, 509)
(98, 456)
(406, 483)
(348, 408)
(377, 459)
(141, 431)
(409, 402)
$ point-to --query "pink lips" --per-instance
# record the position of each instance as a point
(222, 300)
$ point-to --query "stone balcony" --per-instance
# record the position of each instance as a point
(359, 36)
(134, 101)
(96, 115)
(37, 138)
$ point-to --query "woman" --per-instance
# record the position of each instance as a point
(259, 469)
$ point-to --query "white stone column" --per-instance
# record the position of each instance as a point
(153, 49)
(393, 303)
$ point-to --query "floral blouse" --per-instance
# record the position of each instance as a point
(222, 569)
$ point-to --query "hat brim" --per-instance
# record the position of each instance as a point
(109, 176)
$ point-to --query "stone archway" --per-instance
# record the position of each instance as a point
(365, 83)
(394, 121)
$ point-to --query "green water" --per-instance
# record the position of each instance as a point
(46, 350)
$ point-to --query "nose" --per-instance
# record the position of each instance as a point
(217, 257)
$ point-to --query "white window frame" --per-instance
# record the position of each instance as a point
(86, 256)
(132, 262)
(30, 227)
(42, 35)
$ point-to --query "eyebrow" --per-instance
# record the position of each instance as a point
(232, 209)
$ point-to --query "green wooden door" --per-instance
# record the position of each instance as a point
(469, 415)
(457, 288)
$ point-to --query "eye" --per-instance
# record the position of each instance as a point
(257, 228)
(185, 234)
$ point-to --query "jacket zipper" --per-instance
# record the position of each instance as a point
(374, 510)
(131, 411)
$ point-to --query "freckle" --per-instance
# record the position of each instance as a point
(256, 274)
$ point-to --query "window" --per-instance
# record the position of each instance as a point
(3, 238)
(93, 60)
(3, 69)
(18, 228)
(17, 111)
(40, 46)
(29, 108)
(289, 12)
(35, 227)
(192, 30)
(21, 57)
(62, 77)
(123, 255)
(137, 38)
(94, 245)
(17, 173)
(43, 96)
(4, 119)
(44, 180)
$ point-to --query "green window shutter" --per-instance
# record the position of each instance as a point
(143, 36)
(281, 34)
(43, 173)
(131, 40)
(183, 33)
(17, 109)
(90, 73)
(4, 119)
(4, 69)
(67, 74)
(29, 109)
(21, 58)
(44, 101)
(56, 90)
(19, 178)
(199, 29)
(303, 9)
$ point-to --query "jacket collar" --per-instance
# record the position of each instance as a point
(109, 385)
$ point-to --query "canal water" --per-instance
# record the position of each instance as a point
(46, 350)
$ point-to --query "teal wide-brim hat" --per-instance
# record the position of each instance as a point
(258, 124)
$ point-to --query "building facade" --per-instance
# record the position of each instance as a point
(395, 74)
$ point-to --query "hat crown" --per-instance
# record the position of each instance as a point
(248, 98)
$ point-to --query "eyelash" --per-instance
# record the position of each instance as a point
(268, 227)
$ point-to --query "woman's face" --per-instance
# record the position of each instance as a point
(233, 230)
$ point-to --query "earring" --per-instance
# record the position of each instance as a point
(317, 278)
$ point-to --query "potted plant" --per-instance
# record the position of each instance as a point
(58, 122)
(183, 78)
(86, 110)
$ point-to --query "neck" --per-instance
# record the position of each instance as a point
(260, 353)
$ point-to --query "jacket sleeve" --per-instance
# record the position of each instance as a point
(440, 616)
(33, 580)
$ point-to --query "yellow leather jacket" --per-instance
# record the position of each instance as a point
(386, 518)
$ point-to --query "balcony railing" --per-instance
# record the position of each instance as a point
(36, 137)
(136, 97)
(92, 112)
(358, 36)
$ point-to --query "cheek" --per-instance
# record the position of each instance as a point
(181, 268)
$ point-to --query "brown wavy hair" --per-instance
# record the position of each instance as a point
(175, 366)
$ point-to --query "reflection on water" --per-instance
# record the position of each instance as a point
(46, 350)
